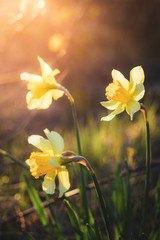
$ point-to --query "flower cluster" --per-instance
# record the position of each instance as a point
(121, 94)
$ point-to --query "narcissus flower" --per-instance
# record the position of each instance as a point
(123, 94)
(47, 162)
(42, 88)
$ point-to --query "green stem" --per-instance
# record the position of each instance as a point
(71, 99)
(148, 166)
(84, 162)
(103, 206)
(83, 176)
(76, 127)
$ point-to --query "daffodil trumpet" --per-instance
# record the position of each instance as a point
(123, 94)
(148, 167)
(48, 162)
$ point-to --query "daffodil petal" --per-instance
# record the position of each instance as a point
(41, 143)
(48, 184)
(45, 68)
(31, 78)
(54, 161)
(118, 76)
(64, 183)
(109, 117)
(40, 103)
(132, 107)
(56, 141)
(56, 93)
(136, 77)
(55, 72)
(139, 92)
(111, 105)
(51, 81)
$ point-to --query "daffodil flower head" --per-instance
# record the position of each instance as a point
(47, 162)
(123, 94)
(42, 88)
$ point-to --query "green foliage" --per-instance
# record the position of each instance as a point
(91, 233)
(38, 205)
(121, 203)
(28, 236)
(106, 147)
(74, 219)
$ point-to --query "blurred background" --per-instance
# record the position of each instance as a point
(84, 39)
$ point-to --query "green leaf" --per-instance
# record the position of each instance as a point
(37, 204)
(74, 221)
(117, 197)
(122, 202)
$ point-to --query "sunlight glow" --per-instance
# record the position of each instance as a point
(41, 4)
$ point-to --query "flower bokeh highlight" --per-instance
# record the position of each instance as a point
(42, 88)
(47, 162)
(123, 94)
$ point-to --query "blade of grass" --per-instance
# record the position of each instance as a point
(91, 233)
(94, 232)
(74, 219)
(27, 236)
(58, 229)
(115, 197)
(38, 206)
(111, 211)
(126, 184)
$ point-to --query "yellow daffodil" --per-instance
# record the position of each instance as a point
(47, 162)
(42, 88)
(123, 94)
